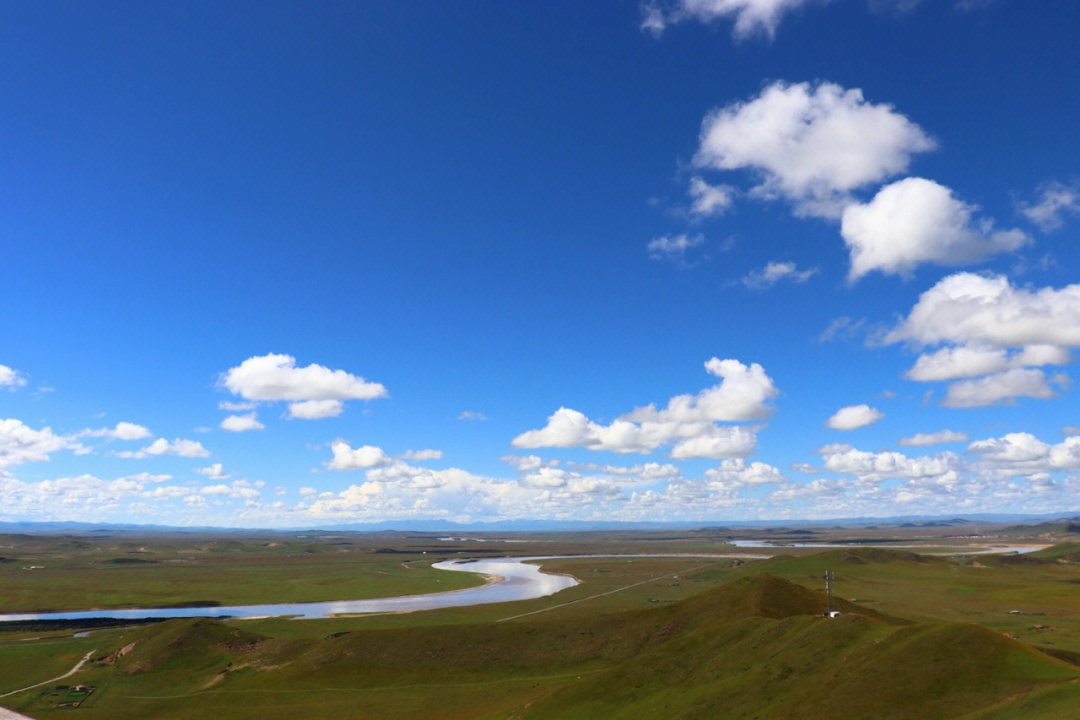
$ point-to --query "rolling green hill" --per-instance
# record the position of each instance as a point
(756, 647)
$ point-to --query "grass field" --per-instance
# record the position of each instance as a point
(676, 637)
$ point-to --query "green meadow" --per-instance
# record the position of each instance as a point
(919, 635)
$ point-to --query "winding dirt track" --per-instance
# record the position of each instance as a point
(68, 674)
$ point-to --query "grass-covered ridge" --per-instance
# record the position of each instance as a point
(754, 647)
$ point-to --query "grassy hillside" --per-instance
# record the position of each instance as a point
(769, 656)
(755, 647)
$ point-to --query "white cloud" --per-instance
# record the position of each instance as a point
(426, 454)
(1070, 430)
(471, 415)
(525, 463)
(11, 378)
(950, 363)
(938, 438)
(804, 468)
(646, 471)
(689, 421)
(736, 473)
(145, 477)
(122, 431)
(235, 406)
(716, 442)
(916, 221)
(994, 332)
(214, 472)
(316, 409)
(673, 248)
(1055, 201)
(366, 456)
(775, 272)
(270, 378)
(236, 491)
(241, 423)
(709, 200)
(965, 308)
(1024, 454)
(810, 144)
(161, 446)
(750, 17)
(1001, 389)
(68, 497)
(878, 467)
(853, 417)
(20, 444)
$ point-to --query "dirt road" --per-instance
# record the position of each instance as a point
(68, 674)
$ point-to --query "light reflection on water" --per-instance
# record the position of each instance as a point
(520, 581)
(956, 549)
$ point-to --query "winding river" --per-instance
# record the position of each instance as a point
(511, 579)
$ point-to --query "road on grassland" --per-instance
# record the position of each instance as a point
(68, 674)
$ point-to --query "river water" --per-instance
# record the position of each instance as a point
(516, 579)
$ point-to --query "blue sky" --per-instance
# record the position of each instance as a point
(690, 260)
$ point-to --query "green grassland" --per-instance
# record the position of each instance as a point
(71, 573)
(674, 637)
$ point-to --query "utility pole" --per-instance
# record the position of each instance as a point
(828, 591)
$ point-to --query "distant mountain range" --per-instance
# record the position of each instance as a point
(526, 526)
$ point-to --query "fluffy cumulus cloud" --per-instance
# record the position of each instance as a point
(748, 16)
(525, 463)
(1002, 388)
(993, 338)
(997, 473)
(950, 363)
(20, 443)
(1024, 454)
(398, 489)
(161, 446)
(708, 200)
(812, 144)
(312, 392)
(674, 248)
(878, 467)
(938, 438)
(122, 431)
(237, 490)
(775, 272)
(1056, 202)
(365, 456)
(688, 422)
(736, 473)
(916, 221)
(316, 409)
(972, 309)
(854, 417)
(11, 379)
(241, 423)
(214, 472)
(93, 499)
